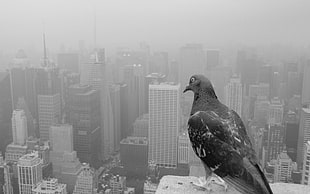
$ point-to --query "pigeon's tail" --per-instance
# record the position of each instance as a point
(252, 180)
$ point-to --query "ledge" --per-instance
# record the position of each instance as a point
(183, 184)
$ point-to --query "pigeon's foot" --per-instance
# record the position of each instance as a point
(220, 182)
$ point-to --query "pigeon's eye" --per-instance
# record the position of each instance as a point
(192, 80)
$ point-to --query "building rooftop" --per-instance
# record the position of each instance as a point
(135, 140)
(183, 185)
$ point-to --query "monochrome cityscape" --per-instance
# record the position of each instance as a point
(91, 119)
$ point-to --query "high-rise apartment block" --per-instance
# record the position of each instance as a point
(164, 101)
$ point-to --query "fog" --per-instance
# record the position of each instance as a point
(161, 23)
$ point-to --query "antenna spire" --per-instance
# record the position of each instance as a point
(44, 49)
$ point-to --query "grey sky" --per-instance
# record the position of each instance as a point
(158, 22)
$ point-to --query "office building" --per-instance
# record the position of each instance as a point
(152, 78)
(306, 165)
(283, 168)
(31, 121)
(49, 100)
(261, 111)
(276, 135)
(29, 172)
(116, 102)
(66, 165)
(83, 113)
(5, 111)
(134, 155)
(159, 63)
(5, 178)
(149, 187)
(233, 95)
(192, 60)
(304, 133)
(141, 126)
(276, 109)
(164, 102)
(291, 123)
(213, 59)
(85, 182)
(50, 186)
(19, 127)
(305, 96)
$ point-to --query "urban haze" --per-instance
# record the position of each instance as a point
(91, 92)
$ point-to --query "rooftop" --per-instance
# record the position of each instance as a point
(183, 184)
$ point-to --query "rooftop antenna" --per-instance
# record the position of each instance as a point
(44, 48)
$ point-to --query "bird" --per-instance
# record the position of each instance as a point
(219, 138)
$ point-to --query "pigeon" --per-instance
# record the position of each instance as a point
(219, 138)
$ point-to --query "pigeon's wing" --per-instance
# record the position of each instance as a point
(224, 151)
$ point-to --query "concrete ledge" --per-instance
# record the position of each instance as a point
(183, 184)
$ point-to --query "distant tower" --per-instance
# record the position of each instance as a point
(29, 172)
(306, 165)
(213, 58)
(19, 127)
(276, 109)
(233, 94)
(164, 101)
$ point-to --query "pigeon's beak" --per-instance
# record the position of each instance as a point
(187, 88)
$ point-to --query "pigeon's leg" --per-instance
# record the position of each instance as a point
(219, 181)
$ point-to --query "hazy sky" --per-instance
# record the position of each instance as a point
(158, 22)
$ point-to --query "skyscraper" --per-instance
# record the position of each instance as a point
(5, 178)
(68, 61)
(276, 109)
(304, 133)
(213, 59)
(306, 165)
(305, 97)
(233, 95)
(183, 148)
(116, 102)
(49, 99)
(275, 141)
(291, 133)
(29, 172)
(164, 100)
(192, 60)
(19, 127)
(83, 113)
(259, 90)
(57, 134)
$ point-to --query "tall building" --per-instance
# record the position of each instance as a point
(275, 85)
(141, 126)
(276, 109)
(116, 102)
(306, 165)
(19, 127)
(291, 123)
(66, 165)
(49, 99)
(276, 144)
(50, 186)
(85, 183)
(57, 133)
(261, 111)
(159, 63)
(213, 59)
(83, 113)
(233, 95)
(305, 96)
(5, 178)
(304, 133)
(283, 168)
(29, 172)
(164, 102)
(134, 155)
(152, 78)
(5, 111)
(192, 60)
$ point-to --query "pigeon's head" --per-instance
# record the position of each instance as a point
(199, 84)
